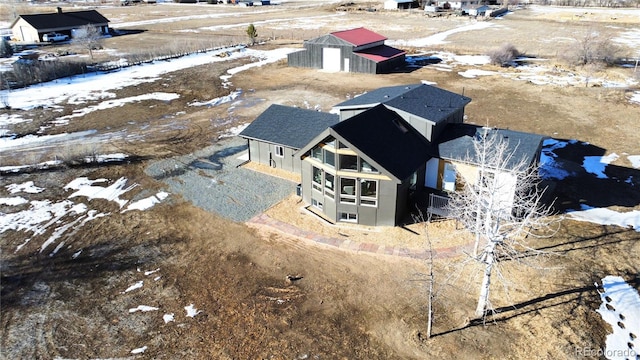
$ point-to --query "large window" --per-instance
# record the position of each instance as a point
(329, 158)
(329, 181)
(348, 190)
(368, 192)
(316, 153)
(316, 180)
(366, 167)
(349, 162)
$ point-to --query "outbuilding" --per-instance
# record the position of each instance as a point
(357, 50)
(399, 4)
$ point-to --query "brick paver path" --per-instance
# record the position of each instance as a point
(346, 244)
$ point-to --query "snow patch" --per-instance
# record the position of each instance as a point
(192, 311)
(620, 308)
(143, 308)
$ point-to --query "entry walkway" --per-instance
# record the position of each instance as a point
(346, 244)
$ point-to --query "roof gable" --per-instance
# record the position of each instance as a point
(456, 143)
(359, 36)
(385, 138)
(64, 19)
(288, 126)
(426, 101)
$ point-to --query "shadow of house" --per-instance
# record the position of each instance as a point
(587, 180)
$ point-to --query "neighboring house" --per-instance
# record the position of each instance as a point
(455, 5)
(356, 50)
(280, 131)
(399, 4)
(392, 147)
(475, 10)
(31, 28)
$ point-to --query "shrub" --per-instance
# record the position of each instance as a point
(504, 55)
(6, 50)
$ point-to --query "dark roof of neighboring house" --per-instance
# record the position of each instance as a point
(288, 126)
(456, 143)
(426, 101)
(64, 19)
(384, 137)
(359, 36)
(380, 53)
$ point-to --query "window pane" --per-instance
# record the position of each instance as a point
(366, 167)
(331, 141)
(316, 153)
(349, 162)
(317, 175)
(368, 188)
(329, 158)
(348, 186)
(328, 181)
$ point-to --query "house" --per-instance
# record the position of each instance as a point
(280, 131)
(456, 162)
(457, 4)
(386, 151)
(356, 50)
(475, 10)
(31, 28)
(352, 171)
(399, 4)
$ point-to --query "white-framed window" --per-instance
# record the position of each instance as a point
(368, 192)
(316, 179)
(348, 217)
(329, 184)
(348, 190)
(279, 150)
(317, 204)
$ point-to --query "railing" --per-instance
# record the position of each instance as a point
(438, 205)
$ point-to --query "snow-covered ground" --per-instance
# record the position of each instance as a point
(621, 309)
(60, 219)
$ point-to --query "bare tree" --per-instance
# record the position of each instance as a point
(500, 203)
(88, 37)
(593, 48)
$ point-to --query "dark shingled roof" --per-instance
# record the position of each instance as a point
(64, 19)
(384, 137)
(288, 126)
(456, 143)
(426, 101)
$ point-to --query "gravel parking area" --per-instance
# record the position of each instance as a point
(210, 179)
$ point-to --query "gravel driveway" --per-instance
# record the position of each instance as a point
(210, 179)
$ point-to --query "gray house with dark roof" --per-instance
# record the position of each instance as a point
(31, 28)
(391, 147)
(280, 131)
(363, 169)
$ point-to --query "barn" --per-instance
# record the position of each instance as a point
(31, 28)
(357, 50)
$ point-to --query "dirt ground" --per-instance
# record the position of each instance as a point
(343, 305)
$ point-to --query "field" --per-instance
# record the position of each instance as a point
(96, 277)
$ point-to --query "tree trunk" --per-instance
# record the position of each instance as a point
(483, 299)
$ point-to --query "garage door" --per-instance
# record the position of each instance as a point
(331, 59)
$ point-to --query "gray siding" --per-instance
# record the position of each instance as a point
(264, 153)
(311, 57)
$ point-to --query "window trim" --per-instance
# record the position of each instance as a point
(279, 150)
(347, 219)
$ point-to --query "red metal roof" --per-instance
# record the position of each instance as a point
(380, 53)
(359, 36)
